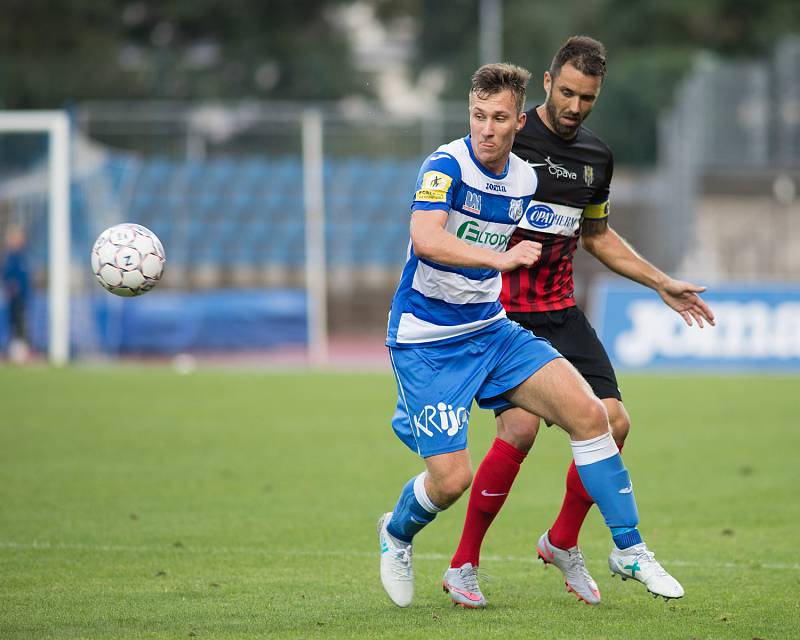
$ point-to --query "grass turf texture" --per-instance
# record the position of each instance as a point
(139, 503)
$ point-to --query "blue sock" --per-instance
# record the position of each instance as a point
(607, 481)
(413, 511)
(625, 537)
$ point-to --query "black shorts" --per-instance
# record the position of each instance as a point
(570, 333)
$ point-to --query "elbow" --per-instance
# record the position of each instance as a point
(423, 247)
(588, 244)
(422, 250)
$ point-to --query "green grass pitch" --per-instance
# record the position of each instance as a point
(139, 503)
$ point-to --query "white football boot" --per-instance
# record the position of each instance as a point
(571, 563)
(462, 585)
(397, 573)
(639, 563)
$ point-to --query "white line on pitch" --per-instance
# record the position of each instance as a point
(112, 548)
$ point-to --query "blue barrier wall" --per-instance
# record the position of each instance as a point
(758, 327)
(167, 322)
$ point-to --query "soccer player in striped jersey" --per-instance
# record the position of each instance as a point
(450, 341)
(571, 202)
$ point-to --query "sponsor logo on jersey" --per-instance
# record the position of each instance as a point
(588, 174)
(443, 418)
(470, 231)
(473, 202)
(540, 216)
(497, 188)
(559, 171)
(515, 210)
(556, 219)
(434, 187)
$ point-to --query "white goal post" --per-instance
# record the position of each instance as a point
(316, 278)
(55, 124)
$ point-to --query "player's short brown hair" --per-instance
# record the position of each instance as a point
(586, 54)
(499, 76)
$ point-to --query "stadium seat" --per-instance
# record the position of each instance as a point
(251, 210)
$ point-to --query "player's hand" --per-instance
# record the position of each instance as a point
(522, 254)
(683, 297)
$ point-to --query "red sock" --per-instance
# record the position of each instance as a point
(489, 491)
(564, 532)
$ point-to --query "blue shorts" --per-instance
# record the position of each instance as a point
(436, 385)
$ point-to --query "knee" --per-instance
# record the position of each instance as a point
(620, 423)
(593, 421)
(518, 428)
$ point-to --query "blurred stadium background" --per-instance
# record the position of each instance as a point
(273, 147)
(223, 131)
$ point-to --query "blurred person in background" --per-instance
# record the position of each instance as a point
(16, 287)
(572, 201)
(450, 342)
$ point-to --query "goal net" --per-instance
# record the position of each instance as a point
(243, 232)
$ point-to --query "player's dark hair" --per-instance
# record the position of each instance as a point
(586, 54)
(499, 76)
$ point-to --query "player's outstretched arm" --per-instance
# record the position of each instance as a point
(614, 252)
(432, 242)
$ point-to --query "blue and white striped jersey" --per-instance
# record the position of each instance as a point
(435, 303)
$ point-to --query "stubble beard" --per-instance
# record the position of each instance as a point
(562, 130)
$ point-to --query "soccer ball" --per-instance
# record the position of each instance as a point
(128, 259)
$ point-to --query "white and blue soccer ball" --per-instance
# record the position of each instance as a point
(128, 259)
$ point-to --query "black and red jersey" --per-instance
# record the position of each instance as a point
(574, 181)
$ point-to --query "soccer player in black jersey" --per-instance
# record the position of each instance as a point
(574, 168)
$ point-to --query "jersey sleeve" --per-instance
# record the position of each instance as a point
(437, 181)
(600, 205)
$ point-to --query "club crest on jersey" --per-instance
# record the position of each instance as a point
(443, 418)
(515, 210)
(473, 202)
(588, 174)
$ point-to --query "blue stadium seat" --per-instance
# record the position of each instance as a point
(190, 175)
(250, 210)
(155, 174)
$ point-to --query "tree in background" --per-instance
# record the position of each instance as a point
(56, 52)
(53, 52)
(651, 45)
